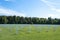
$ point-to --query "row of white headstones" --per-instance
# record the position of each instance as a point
(38, 29)
(30, 29)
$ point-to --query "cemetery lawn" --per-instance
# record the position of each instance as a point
(29, 33)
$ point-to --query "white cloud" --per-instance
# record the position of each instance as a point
(53, 8)
(9, 12)
(10, 0)
(50, 4)
(7, 0)
(56, 10)
(53, 16)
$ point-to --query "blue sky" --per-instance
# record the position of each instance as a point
(30, 8)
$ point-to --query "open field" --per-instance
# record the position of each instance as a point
(13, 32)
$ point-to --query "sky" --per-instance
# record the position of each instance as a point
(30, 8)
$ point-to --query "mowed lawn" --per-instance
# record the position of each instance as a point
(30, 33)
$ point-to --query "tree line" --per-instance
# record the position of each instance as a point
(28, 20)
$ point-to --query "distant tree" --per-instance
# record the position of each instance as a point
(49, 20)
(3, 20)
(27, 20)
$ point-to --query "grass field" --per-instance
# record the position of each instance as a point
(30, 33)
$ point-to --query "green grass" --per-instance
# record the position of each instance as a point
(29, 33)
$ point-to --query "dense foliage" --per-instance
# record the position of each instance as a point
(27, 20)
